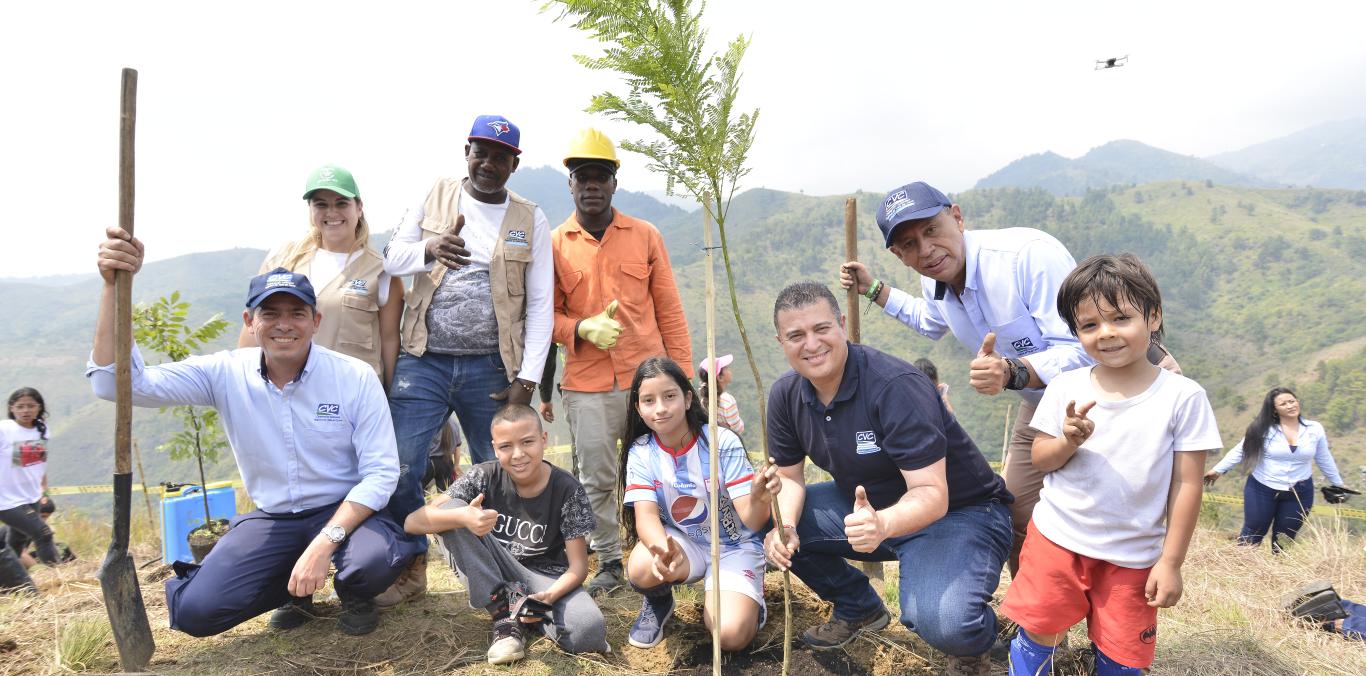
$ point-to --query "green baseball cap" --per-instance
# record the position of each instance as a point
(332, 178)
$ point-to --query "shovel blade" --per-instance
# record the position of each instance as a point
(127, 614)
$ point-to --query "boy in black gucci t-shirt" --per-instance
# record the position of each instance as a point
(516, 530)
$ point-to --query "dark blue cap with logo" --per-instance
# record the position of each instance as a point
(910, 202)
(497, 129)
(280, 280)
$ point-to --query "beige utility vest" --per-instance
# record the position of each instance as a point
(349, 304)
(507, 272)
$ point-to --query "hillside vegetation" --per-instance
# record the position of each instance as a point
(1261, 287)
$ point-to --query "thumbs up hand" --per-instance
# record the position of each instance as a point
(448, 248)
(864, 526)
(1076, 427)
(987, 372)
(478, 520)
(601, 329)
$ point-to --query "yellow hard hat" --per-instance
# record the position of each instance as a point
(591, 144)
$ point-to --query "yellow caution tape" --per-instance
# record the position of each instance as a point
(159, 491)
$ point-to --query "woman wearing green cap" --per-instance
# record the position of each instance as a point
(360, 304)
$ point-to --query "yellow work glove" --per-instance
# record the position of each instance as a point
(601, 329)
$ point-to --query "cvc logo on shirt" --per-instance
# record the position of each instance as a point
(516, 238)
(328, 412)
(865, 443)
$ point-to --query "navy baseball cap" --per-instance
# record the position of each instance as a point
(280, 280)
(910, 202)
(497, 129)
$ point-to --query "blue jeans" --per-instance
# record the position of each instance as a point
(425, 391)
(1354, 627)
(247, 573)
(1281, 511)
(949, 569)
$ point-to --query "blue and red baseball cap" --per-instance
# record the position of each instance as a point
(910, 202)
(497, 129)
(280, 280)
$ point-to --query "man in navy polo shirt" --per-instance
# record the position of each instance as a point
(909, 485)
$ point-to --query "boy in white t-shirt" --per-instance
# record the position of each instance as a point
(1123, 484)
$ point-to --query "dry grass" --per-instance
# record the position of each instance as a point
(1229, 622)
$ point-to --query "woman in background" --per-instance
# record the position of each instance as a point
(1282, 448)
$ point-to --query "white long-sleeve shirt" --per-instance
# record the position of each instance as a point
(406, 255)
(324, 437)
(1013, 276)
(1279, 467)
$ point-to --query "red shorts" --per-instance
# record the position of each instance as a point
(1057, 588)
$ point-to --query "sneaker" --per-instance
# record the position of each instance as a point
(607, 580)
(1316, 602)
(977, 665)
(411, 584)
(359, 616)
(508, 644)
(293, 614)
(648, 629)
(836, 633)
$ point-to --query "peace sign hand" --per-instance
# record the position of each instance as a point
(1076, 427)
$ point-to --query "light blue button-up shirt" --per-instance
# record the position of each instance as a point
(1011, 288)
(324, 437)
(1280, 468)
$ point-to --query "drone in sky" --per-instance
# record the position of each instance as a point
(1112, 62)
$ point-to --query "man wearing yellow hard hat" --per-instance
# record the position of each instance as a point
(616, 304)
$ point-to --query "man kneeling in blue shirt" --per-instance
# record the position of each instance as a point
(909, 485)
(311, 432)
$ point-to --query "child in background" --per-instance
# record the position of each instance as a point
(665, 473)
(931, 371)
(516, 528)
(1123, 444)
(727, 412)
(23, 472)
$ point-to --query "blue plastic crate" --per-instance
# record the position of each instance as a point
(183, 511)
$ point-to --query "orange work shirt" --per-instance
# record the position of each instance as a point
(630, 265)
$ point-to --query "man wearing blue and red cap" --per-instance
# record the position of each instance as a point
(311, 433)
(478, 320)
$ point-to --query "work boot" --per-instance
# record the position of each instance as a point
(411, 583)
(837, 632)
(1316, 602)
(507, 644)
(608, 579)
(977, 665)
(359, 616)
(298, 611)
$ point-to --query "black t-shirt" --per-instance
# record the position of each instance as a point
(886, 417)
(535, 529)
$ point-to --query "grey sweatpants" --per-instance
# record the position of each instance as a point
(577, 626)
(596, 422)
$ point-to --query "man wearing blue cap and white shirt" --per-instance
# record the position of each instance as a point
(477, 322)
(996, 290)
(312, 436)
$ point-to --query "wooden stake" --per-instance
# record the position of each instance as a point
(873, 569)
(851, 254)
(715, 470)
(142, 478)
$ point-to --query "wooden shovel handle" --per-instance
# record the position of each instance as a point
(123, 283)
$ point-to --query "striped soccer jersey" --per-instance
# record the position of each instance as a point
(677, 481)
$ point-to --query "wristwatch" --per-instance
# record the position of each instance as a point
(1018, 377)
(335, 533)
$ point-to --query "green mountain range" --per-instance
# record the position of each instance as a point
(1261, 287)
(1330, 155)
(1116, 162)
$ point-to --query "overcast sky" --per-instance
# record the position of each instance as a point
(237, 105)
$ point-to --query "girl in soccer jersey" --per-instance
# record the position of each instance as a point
(666, 503)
